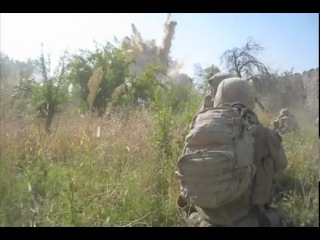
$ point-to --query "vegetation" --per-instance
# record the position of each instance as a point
(124, 175)
(111, 159)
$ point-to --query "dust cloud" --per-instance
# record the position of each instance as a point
(148, 52)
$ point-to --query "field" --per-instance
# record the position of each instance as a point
(119, 171)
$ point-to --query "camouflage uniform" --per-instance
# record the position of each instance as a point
(252, 209)
(214, 82)
(286, 122)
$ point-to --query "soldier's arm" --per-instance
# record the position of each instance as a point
(207, 102)
(203, 103)
(277, 152)
(275, 124)
(285, 126)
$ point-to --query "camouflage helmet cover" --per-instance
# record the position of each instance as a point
(284, 112)
(233, 90)
(219, 77)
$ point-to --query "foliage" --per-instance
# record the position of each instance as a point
(47, 96)
(116, 170)
(143, 88)
(203, 75)
(124, 176)
(114, 63)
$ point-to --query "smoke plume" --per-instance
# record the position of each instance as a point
(147, 51)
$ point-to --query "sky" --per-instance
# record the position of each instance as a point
(290, 40)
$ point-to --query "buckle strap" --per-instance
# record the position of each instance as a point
(263, 221)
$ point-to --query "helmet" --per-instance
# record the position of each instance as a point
(219, 77)
(284, 112)
(234, 90)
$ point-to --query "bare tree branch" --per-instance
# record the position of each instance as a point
(243, 61)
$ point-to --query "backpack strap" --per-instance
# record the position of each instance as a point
(263, 221)
(238, 105)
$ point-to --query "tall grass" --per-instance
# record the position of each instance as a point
(297, 189)
(119, 171)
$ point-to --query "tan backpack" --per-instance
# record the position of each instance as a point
(217, 164)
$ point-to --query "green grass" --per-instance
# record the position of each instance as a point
(298, 187)
(124, 177)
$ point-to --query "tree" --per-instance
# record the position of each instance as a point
(203, 75)
(5, 64)
(113, 63)
(142, 88)
(15, 83)
(243, 61)
(48, 95)
(12, 70)
(79, 72)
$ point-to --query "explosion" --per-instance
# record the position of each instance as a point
(147, 51)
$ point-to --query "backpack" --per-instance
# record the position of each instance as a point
(217, 164)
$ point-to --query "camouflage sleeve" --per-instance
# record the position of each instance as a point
(286, 127)
(275, 123)
(277, 152)
(207, 102)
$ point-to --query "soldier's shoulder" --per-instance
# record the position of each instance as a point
(207, 101)
(272, 135)
(267, 133)
(208, 96)
(284, 118)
